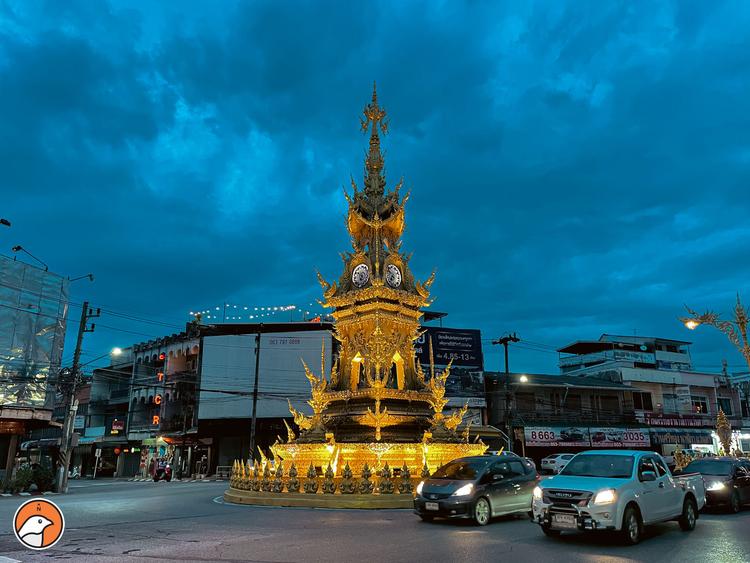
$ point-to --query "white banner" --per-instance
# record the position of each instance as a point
(557, 436)
(620, 437)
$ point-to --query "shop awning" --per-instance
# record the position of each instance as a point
(89, 439)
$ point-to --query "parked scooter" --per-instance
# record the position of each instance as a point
(163, 471)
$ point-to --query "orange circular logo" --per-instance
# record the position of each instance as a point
(38, 523)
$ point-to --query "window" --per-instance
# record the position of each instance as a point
(661, 468)
(609, 403)
(516, 469)
(596, 465)
(642, 401)
(525, 402)
(726, 406)
(670, 403)
(647, 464)
(573, 403)
(700, 404)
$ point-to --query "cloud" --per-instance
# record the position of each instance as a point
(575, 169)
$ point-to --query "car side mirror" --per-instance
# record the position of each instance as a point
(497, 476)
(648, 476)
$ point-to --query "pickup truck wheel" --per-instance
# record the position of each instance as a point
(482, 511)
(631, 526)
(734, 503)
(549, 532)
(689, 515)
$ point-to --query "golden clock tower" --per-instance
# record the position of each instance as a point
(377, 400)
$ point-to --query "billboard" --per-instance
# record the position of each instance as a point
(463, 346)
(620, 437)
(228, 365)
(585, 437)
(552, 436)
(33, 309)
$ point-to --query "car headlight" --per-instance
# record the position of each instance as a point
(605, 497)
(716, 486)
(537, 493)
(419, 487)
(463, 491)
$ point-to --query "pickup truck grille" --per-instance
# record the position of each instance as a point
(556, 496)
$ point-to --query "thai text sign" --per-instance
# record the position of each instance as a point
(557, 436)
(462, 347)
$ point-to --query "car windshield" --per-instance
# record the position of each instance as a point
(613, 466)
(709, 467)
(463, 470)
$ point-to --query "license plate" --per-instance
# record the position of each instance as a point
(431, 506)
(564, 521)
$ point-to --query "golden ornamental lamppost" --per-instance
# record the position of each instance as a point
(735, 330)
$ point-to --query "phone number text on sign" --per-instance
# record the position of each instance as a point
(542, 436)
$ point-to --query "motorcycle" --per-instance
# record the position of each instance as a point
(163, 471)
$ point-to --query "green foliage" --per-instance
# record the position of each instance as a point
(44, 479)
(24, 479)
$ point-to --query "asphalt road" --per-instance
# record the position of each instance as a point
(130, 521)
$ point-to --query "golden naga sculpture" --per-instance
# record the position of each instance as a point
(376, 400)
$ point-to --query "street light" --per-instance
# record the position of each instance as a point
(113, 352)
(19, 248)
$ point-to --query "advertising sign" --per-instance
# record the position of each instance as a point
(620, 437)
(79, 422)
(118, 424)
(463, 346)
(553, 436)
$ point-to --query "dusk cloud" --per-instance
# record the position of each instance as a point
(575, 169)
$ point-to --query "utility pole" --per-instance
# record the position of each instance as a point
(504, 341)
(68, 387)
(255, 392)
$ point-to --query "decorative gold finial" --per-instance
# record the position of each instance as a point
(375, 115)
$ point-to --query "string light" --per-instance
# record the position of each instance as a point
(265, 311)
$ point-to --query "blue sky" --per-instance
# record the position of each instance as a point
(576, 168)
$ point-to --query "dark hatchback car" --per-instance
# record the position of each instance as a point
(727, 480)
(477, 487)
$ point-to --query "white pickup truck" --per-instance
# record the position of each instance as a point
(616, 490)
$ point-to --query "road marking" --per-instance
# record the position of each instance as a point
(4, 559)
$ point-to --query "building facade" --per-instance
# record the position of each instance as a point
(33, 313)
(547, 414)
(678, 404)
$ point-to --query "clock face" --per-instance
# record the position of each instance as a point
(360, 275)
(393, 276)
